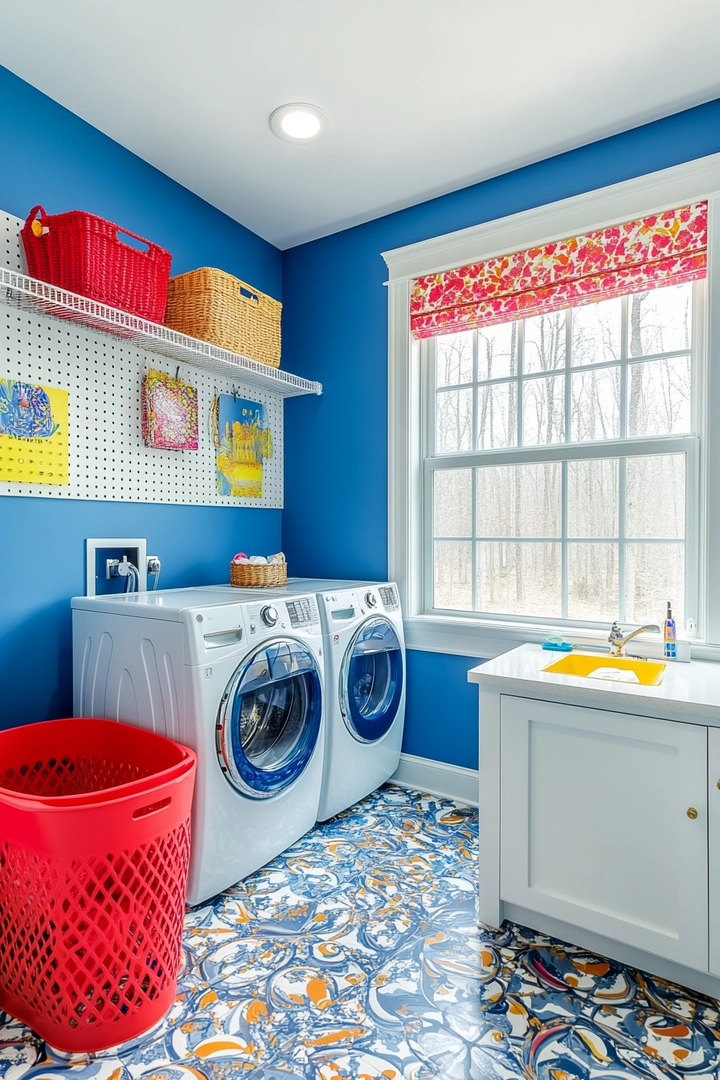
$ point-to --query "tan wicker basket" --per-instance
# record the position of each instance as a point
(251, 575)
(217, 307)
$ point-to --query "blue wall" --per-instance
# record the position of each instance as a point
(442, 708)
(51, 156)
(335, 518)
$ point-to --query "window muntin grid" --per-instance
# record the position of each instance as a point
(504, 376)
(497, 370)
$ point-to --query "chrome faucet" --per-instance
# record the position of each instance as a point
(617, 641)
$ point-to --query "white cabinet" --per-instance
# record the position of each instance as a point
(714, 845)
(604, 824)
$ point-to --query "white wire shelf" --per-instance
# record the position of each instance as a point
(29, 294)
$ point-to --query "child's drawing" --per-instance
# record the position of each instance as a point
(242, 443)
(25, 410)
(169, 412)
(33, 433)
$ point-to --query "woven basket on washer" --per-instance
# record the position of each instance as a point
(252, 575)
(224, 310)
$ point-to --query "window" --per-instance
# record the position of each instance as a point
(561, 463)
(550, 463)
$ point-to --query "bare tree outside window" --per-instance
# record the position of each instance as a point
(595, 529)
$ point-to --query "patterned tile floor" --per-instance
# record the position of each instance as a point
(356, 956)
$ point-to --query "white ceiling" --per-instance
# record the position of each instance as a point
(424, 96)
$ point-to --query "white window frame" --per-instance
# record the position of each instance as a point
(468, 634)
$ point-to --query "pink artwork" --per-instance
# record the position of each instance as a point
(169, 412)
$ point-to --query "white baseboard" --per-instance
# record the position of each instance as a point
(437, 778)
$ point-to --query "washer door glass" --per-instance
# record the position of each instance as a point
(371, 680)
(269, 719)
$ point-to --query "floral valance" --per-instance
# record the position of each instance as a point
(661, 249)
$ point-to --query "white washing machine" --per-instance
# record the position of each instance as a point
(365, 684)
(240, 680)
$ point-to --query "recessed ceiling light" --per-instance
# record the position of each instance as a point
(298, 122)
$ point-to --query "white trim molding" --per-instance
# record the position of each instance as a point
(664, 190)
(677, 186)
(437, 778)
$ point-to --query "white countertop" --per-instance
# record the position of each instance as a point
(688, 691)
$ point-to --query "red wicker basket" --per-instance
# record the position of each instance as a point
(87, 255)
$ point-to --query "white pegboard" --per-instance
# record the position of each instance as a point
(12, 254)
(103, 377)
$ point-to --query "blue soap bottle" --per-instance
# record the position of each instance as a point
(669, 634)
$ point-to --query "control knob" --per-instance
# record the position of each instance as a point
(269, 616)
(370, 599)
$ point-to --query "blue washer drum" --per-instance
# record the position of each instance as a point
(269, 718)
(371, 680)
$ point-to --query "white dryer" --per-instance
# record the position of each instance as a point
(240, 680)
(365, 684)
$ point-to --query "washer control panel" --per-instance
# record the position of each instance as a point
(269, 615)
(302, 612)
(298, 613)
(389, 597)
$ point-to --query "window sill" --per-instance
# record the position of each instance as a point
(486, 639)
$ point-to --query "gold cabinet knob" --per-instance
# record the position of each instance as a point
(692, 812)
(718, 784)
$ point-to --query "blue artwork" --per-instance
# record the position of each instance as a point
(25, 411)
(356, 955)
(243, 442)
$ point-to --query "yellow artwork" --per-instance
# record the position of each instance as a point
(33, 433)
(242, 444)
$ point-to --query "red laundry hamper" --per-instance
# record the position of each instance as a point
(86, 254)
(94, 856)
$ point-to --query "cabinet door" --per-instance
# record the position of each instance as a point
(595, 827)
(714, 845)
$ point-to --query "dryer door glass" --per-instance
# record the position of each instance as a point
(269, 719)
(371, 680)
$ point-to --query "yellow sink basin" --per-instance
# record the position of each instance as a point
(649, 672)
